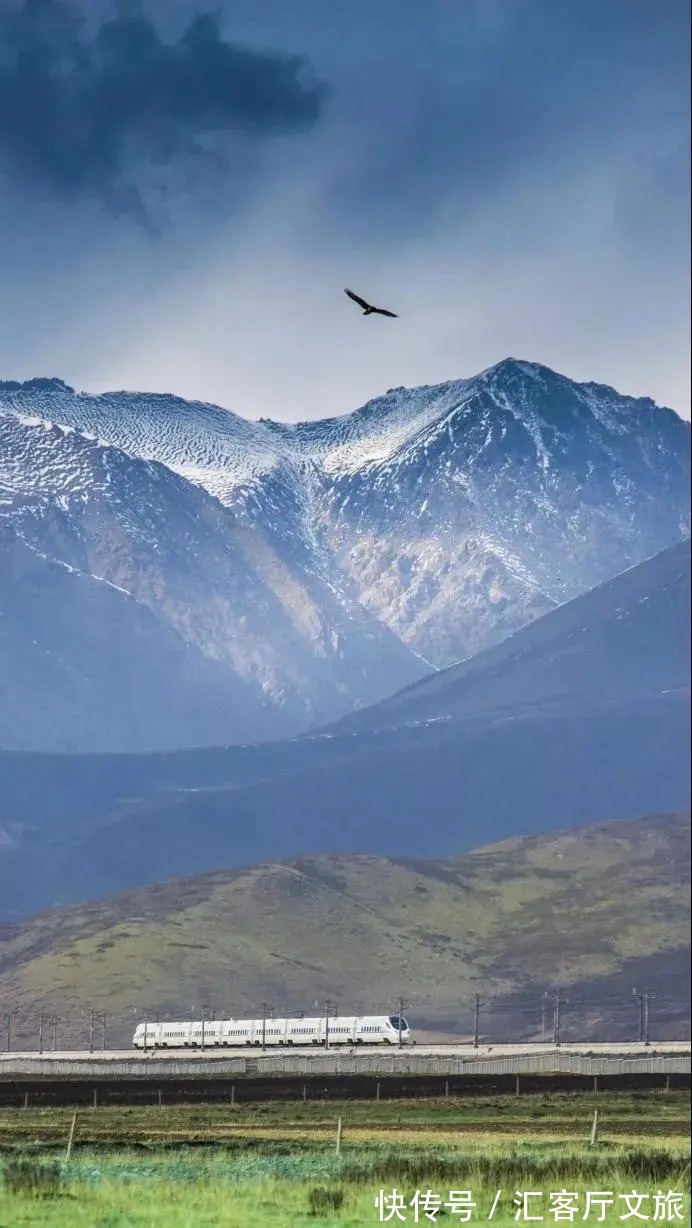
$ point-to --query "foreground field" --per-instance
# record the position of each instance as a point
(273, 1164)
(626, 1118)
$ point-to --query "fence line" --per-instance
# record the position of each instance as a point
(325, 1064)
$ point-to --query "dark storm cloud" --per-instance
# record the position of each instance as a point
(90, 111)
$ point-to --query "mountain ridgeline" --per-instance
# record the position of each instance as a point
(592, 912)
(174, 575)
(581, 716)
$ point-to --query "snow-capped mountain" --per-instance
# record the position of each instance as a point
(454, 514)
(505, 496)
(138, 612)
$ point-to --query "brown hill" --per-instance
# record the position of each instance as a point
(595, 911)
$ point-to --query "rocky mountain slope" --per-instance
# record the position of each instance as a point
(626, 639)
(454, 514)
(592, 911)
(472, 508)
(136, 611)
(85, 664)
(580, 717)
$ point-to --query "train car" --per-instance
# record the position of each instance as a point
(233, 1033)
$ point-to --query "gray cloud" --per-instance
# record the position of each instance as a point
(460, 109)
(97, 112)
(510, 175)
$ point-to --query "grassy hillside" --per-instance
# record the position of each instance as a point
(592, 909)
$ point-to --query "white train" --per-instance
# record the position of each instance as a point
(229, 1033)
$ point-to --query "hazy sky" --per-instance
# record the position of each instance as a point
(183, 203)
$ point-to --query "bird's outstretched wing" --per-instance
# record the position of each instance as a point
(360, 301)
(382, 312)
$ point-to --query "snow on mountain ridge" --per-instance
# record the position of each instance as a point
(247, 610)
(211, 446)
(60, 563)
(453, 513)
(36, 462)
(526, 491)
(378, 430)
(226, 453)
(223, 451)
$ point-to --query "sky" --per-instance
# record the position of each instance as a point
(187, 188)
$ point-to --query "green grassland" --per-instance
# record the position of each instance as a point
(632, 1117)
(581, 906)
(276, 1164)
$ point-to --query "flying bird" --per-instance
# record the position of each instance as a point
(368, 309)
